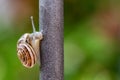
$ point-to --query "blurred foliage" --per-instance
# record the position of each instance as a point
(91, 39)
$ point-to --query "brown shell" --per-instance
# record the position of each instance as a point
(25, 51)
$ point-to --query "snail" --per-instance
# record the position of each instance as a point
(28, 47)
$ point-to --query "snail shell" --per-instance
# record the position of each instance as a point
(28, 49)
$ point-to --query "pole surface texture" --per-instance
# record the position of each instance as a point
(51, 24)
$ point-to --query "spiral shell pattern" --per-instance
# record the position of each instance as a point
(25, 51)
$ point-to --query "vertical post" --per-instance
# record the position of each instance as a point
(51, 23)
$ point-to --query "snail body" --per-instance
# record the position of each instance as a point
(28, 48)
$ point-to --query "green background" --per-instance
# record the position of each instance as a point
(91, 39)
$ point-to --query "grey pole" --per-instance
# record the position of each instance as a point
(52, 53)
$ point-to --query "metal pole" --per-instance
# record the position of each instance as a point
(51, 23)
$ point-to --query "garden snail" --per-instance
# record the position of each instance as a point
(28, 47)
